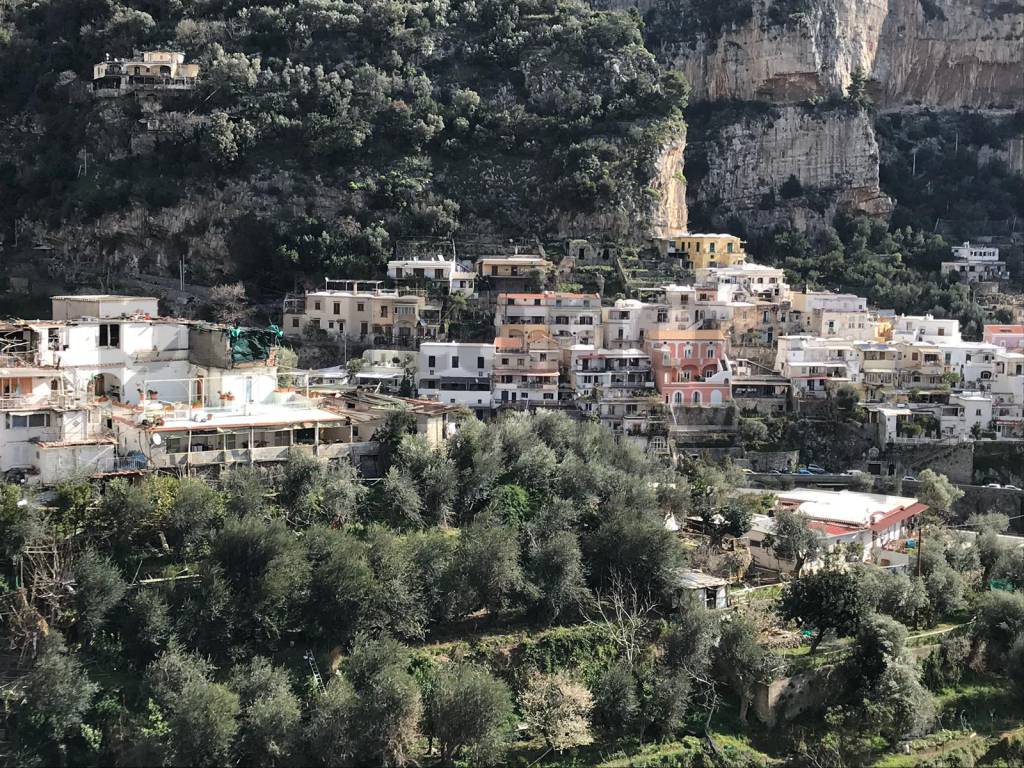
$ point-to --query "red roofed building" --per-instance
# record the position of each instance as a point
(855, 527)
(1009, 337)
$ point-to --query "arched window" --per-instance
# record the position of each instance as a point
(696, 398)
(678, 397)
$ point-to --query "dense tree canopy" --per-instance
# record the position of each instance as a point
(544, 606)
(419, 117)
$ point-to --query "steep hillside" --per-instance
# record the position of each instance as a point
(323, 130)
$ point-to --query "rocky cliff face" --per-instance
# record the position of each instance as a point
(794, 163)
(942, 53)
(670, 213)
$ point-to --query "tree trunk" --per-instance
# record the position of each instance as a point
(816, 641)
(744, 706)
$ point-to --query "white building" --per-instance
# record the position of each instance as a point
(457, 373)
(445, 273)
(975, 264)
(756, 280)
(857, 527)
(810, 363)
(1008, 394)
(966, 414)
(68, 386)
(603, 370)
(627, 322)
(925, 328)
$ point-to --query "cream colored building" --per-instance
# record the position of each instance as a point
(569, 318)
(365, 311)
(145, 70)
(526, 368)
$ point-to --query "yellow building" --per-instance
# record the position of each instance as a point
(705, 251)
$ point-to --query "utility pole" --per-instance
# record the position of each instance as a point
(920, 545)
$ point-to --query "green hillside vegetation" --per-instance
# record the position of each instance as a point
(960, 172)
(510, 596)
(365, 121)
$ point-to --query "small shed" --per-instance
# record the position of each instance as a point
(711, 590)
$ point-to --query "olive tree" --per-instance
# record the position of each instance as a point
(471, 712)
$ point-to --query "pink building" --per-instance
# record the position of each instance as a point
(1009, 337)
(690, 367)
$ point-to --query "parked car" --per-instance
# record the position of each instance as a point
(778, 472)
(993, 485)
(853, 472)
(816, 470)
(1011, 488)
(804, 471)
(910, 478)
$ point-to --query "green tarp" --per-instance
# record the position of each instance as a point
(251, 344)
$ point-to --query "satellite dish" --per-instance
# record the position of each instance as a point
(156, 439)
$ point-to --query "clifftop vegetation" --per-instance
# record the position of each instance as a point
(358, 121)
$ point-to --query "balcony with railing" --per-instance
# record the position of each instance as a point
(33, 402)
(114, 464)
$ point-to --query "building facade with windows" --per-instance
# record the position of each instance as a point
(975, 263)
(457, 373)
(526, 370)
(701, 251)
(365, 311)
(569, 318)
(446, 274)
(690, 367)
(145, 70)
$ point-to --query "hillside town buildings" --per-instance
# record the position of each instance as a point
(109, 383)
